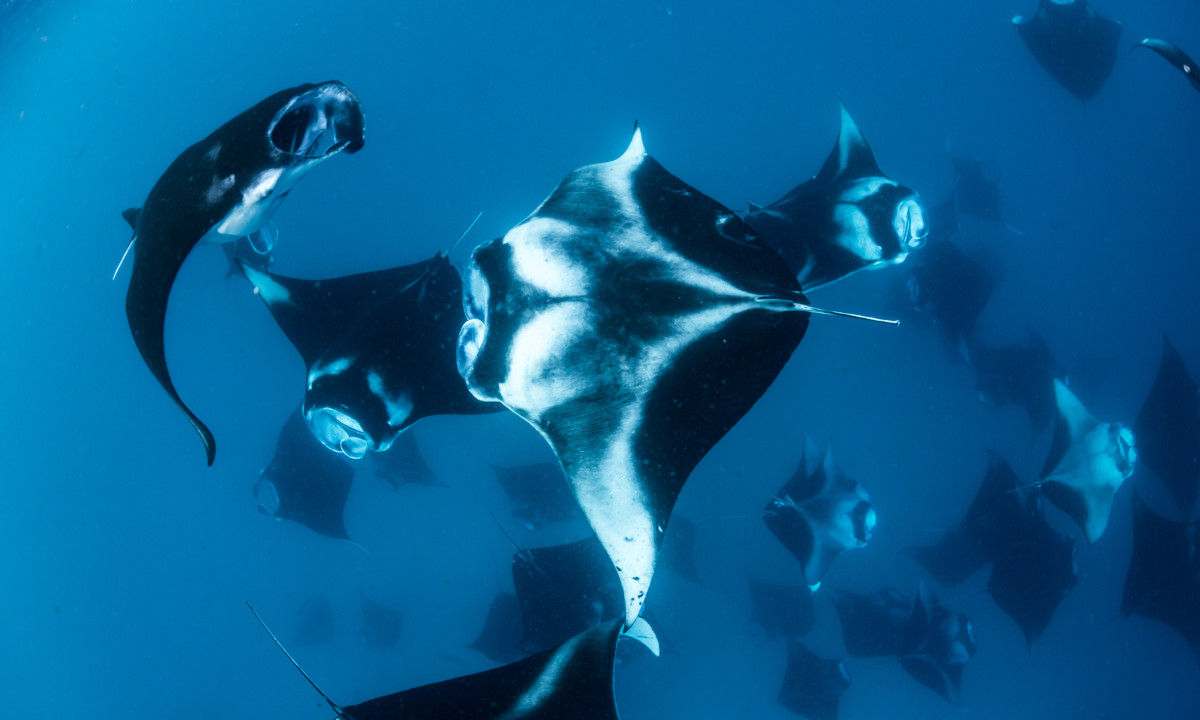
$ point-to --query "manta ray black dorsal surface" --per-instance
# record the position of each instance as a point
(936, 646)
(223, 188)
(633, 321)
(1168, 429)
(1176, 56)
(849, 217)
(812, 685)
(563, 590)
(379, 349)
(403, 464)
(538, 494)
(950, 286)
(1163, 581)
(1021, 374)
(573, 680)
(781, 610)
(305, 483)
(985, 533)
(1073, 43)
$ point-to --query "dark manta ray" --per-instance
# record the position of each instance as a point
(223, 188)
(819, 513)
(812, 685)
(563, 590)
(1163, 582)
(975, 192)
(1035, 573)
(1020, 374)
(931, 644)
(987, 530)
(1168, 429)
(950, 286)
(1088, 461)
(1074, 44)
(1176, 57)
(538, 494)
(379, 348)
(781, 610)
(500, 637)
(573, 680)
(315, 624)
(381, 625)
(632, 320)
(305, 483)
(1034, 564)
(403, 464)
(849, 217)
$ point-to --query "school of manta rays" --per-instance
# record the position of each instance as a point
(632, 321)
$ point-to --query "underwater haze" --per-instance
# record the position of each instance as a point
(126, 563)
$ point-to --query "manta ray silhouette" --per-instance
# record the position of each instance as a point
(223, 188)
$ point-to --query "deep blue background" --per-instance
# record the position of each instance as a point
(124, 562)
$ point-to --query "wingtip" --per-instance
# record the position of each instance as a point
(637, 147)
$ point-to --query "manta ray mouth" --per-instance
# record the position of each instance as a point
(1126, 450)
(911, 228)
(318, 123)
(339, 432)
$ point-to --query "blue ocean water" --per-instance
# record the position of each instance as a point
(125, 562)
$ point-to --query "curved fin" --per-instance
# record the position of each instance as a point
(641, 631)
(146, 310)
(851, 157)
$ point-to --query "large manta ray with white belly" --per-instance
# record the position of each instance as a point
(632, 320)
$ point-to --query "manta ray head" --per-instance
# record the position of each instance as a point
(880, 221)
(317, 123)
(953, 639)
(351, 410)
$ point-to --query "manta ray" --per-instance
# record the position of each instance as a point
(538, 494)
(305, 483)
(1168, 429)
(573, 680)
(1163, 581)
(1033, 565)
(781, 610)
(849, 217)
(932, 644)
(379, 349)
(1073, 43)
(222, 189)
(949, 286)
(1021, 374)
(632, 321)
(1088, 461)
(819, 513)
(812, 685)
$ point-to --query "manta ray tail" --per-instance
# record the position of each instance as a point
(336, 708)
(124, 255)
(777, 302)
